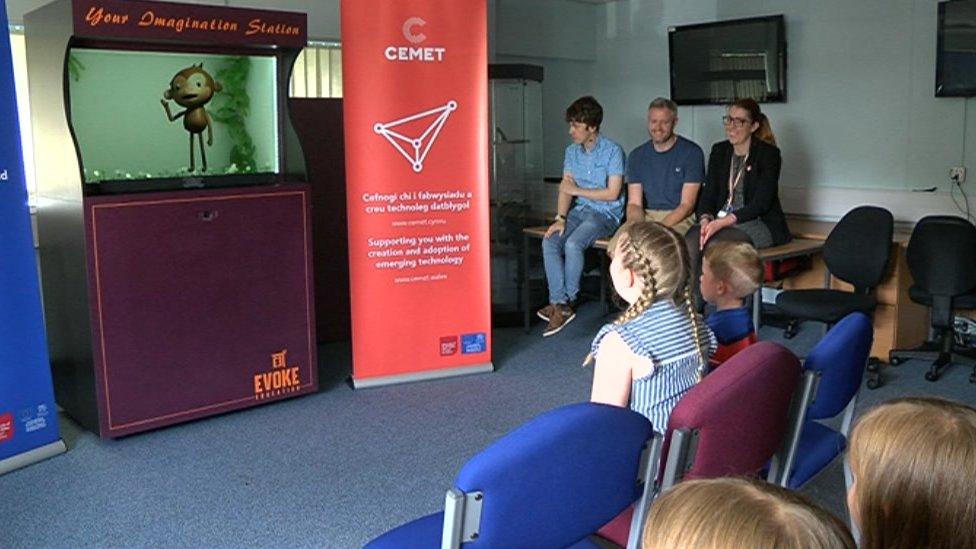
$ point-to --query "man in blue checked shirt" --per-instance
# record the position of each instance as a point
(593, 172)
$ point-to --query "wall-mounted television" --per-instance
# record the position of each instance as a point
(717, 63)
(955, 65)
(139, 127)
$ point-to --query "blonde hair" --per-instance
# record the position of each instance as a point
(659, 257)
(737, 264)
(729, 513)
(914, 466)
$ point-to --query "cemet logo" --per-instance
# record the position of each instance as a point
(413, 35)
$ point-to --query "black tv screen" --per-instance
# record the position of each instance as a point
(955, 66)
(717, 63)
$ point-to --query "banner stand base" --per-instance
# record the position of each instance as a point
(37, 454)
(380, 381)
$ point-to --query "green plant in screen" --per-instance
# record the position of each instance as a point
(232, 106)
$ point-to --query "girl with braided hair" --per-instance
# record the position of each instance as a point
(659, 346)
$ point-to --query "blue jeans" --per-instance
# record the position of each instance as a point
(563, 254)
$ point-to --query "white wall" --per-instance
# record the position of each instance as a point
(861, 123)
(561, 37)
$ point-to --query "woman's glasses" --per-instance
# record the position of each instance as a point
(735, 122)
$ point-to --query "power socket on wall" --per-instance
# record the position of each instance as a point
(957, 175)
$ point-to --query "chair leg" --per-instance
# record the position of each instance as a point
(791, 329)
(938, 367)
(945, 355)
(874, 373)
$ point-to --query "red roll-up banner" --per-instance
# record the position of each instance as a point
(415, 89)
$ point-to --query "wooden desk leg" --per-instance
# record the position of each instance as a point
(526, 283)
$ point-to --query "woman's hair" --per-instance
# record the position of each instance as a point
(914, 466)
(585, 110)
(659, 257)
(735, 512)
(737, 264)
(764, 131)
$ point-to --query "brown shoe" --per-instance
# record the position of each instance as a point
(562, 315)
(546, 312)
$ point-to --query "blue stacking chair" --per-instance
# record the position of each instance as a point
(549, 484)
(833, 372)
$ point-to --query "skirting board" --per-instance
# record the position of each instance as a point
(33, 456)
(380, 381)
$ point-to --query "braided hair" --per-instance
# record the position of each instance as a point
(659, 257)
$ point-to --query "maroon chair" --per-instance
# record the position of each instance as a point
(731, 424)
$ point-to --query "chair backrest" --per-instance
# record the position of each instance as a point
(738, 415)
(840, 358)
(559, 477)
(858, 248)
(942, 255)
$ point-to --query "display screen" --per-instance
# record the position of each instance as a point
(955, 73)
(145, 119)
(721, 62)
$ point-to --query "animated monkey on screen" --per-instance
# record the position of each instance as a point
(193, 88)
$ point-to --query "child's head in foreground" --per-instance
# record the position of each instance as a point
(734, 513)
(914, 466)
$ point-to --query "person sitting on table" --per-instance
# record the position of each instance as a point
(742, 182)
(740, 199)
(665, 173)
(593, 171)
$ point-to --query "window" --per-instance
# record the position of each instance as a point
(19, 54)
(317, 71)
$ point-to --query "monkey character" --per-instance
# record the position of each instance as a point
(193, 88)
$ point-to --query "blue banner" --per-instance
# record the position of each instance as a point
(28, 418)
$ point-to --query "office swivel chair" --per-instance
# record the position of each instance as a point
(942, 260)
(857, 251)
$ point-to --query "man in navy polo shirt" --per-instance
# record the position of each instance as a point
(665, 173)
(593, 170)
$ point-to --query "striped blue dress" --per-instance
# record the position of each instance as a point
(662, 333)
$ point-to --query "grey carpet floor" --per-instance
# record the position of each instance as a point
(336, 468)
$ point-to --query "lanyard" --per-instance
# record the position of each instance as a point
(735, 176)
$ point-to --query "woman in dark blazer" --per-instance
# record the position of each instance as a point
(748, 164)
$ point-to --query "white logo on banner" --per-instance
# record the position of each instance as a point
(407, 53)
(408, 26)
(420, 146)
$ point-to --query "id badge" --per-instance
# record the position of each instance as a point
(721, 214)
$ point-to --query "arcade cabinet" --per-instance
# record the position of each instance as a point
(173, 212)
